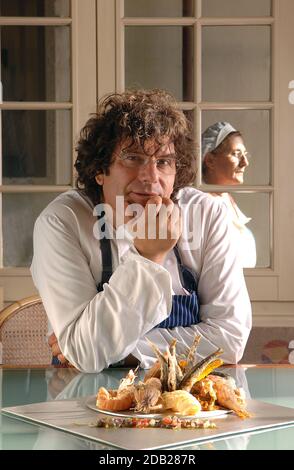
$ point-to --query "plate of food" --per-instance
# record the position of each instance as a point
(176, 385)
(91, 403)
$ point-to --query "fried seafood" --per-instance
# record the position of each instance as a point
(182, 402)
(170, 372)
(217, 390)
(191, 354)
(200, 370)
(229, 379)
(177, 383)
(163, 362)
(205, 393)
(111, 400)
(153, 372)
(120, 399)
(229, 397)
(128, 380)
(175, 373)
(147, 395)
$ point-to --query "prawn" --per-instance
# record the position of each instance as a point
(120, 399)
(112, 400)
(229, 397)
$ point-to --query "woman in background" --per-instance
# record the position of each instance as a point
(224, 161)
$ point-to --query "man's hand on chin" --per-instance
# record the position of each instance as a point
(161, 223)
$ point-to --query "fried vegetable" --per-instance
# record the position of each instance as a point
(182, 402)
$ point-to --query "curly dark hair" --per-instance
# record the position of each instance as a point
(137, 115)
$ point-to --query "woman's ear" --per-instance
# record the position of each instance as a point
(99, 179)
(209, 161)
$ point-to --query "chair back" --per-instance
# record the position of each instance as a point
(23, 333)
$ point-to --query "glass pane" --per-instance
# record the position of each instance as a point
(59, 8)
(257, 207)
(229, 8)
(236, 63)
(160, 57)
(167, 8)
(19, 214)
(254, 126)
(36, 63)
(37, 147)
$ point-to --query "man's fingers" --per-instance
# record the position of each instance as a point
(169, 205)
(175, 223)
(66, 363)
(52, 339)
(62, 359)
(176, 213)
(155, 200)
(55, 349)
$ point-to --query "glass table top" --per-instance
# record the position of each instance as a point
(273, 385)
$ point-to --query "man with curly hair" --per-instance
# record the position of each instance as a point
(135, 253)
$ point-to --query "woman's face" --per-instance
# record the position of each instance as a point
(227, 167)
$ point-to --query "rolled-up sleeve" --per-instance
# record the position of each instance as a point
(95, 329)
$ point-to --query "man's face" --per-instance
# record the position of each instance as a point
(138, 184)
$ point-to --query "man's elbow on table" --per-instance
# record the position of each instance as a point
(86, 356)
(81, 355)
(86, 364)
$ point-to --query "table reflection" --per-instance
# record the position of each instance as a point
(269, 384)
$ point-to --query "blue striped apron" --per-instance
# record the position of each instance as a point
(185, 308)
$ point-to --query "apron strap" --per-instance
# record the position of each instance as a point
(177, 253)
(106, 255)
(106, 259)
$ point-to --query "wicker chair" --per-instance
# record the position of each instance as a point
(23, 333)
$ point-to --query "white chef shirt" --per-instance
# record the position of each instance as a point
(245, 238)
(94, 329)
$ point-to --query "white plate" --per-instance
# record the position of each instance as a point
(91, 403)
